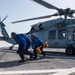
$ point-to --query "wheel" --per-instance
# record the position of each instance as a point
(70, 51)
(10, 48)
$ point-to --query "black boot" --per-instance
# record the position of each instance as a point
(21, 61)
(31, 56)
(44, 54)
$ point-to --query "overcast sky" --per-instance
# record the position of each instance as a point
(24, 9)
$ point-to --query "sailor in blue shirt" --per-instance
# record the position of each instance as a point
(24, 44)
(37, 42)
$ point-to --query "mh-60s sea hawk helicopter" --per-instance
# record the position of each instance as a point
(60, 32)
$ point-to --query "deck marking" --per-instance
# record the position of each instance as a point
(56, 71)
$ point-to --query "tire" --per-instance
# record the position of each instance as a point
(70, 51)
(10, 48)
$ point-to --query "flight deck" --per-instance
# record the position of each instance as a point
(56, 62)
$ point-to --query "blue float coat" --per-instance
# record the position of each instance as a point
(36, 42)
(21, 40)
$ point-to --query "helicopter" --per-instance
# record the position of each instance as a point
(59, 32)
(5, 36)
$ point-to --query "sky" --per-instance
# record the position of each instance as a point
(24, 9)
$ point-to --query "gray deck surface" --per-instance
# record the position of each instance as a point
(55, 63)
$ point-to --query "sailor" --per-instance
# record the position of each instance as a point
(24, 43)
(37, 42)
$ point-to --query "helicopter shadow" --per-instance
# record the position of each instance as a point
(9, 64)
(58, 55)
(15, 63)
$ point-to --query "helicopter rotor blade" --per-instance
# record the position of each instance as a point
(42, 17)
(33, 19)
(4, 18)
(47, 5)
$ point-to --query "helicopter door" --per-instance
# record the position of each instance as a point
(52, 38)
(70, 36)
(74, 35)
(61, 38)
(73, 40)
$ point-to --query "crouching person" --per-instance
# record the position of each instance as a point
(36, 42)
(24, 43)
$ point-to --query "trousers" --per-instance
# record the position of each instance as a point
(35, 52)
(21, 52)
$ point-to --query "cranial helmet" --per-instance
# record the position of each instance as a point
(13, 33)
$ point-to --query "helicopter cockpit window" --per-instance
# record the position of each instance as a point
(52, 34)
(32, 29)
(62, 34)
(40, 26)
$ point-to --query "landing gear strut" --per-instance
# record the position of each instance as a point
(11, 47)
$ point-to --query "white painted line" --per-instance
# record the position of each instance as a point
(56, 71)
(65, 72)
(30, 71)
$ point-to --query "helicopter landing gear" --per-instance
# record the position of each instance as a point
(70, 50)
(11, 47)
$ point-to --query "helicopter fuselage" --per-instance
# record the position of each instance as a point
(58, 35)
